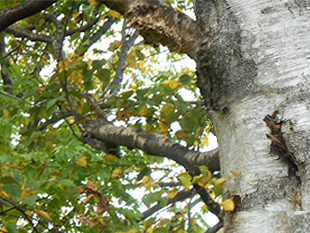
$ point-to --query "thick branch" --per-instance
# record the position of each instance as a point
(13, 14)
(152, 144)
(159, 23)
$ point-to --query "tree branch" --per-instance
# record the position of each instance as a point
(83, 28)
(13, 14)
(215, 228)
(159, 23)
(179, 197)
(24, 32)
(152, 144)
(213, 206)
(87, 42)
(121, 64)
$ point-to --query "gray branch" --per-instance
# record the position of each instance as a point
(154, 144)
(121, 64)
(30, 7)
(24, 32)
(179, 197)
(89, 41)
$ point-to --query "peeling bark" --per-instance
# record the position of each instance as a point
(159, 23)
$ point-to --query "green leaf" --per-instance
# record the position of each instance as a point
(104, 75)
(151, 198)
(184, 79)
(185, 180)
(144, 172)
(8, 180)
(163, 201)
(50, 103)
(30, 200)
(126, 95)
(141, 93)
(13, 189)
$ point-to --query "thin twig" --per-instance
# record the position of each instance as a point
(9, 203)
(14, 97)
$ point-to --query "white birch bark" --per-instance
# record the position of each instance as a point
(274, 38)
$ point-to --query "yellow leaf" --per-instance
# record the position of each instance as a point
(24, 194)
(92, 2)
(77, 77)
(144, 111)
(174, 84)
(228, 205)
(12, 165)
(110, 157)
(149, 230)
(197, 178)
(3, 229)
(44, 215)
(204, 141)
(208, 128)
(185, 180)
(64, 65)
(179, 9)
(131, 60)
(70, 119)
(203, 182)
(130, 169)
(75, 15)
(116, 172)
(34, 192)
(219, 183)
(150, 184)
(163, 127)
(48, 144)
(167, 82)
(172, 194)
(6, 113)
(115, 14)
(145, 179)
(198, 132)
(82, 161)
(234, 173)
(5, 195)
(181, 134)
(115, 44)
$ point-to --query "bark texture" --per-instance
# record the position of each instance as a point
(265, 56)
(154, 144)
(11, 15)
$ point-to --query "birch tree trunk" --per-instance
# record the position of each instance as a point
(264, 48)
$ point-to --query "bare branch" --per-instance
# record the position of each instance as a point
(58, 37)
(179, 197)
(83, 28)
(13, 14)
(24, 32)
(89, 41)
(121, 64)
